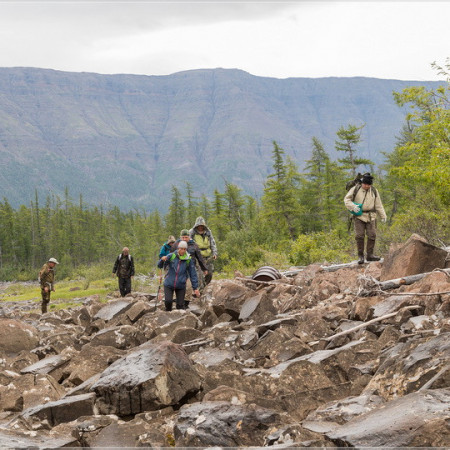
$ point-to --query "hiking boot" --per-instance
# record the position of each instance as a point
(373, 258)
(361, 259)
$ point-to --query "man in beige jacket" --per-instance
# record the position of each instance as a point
(365, 224)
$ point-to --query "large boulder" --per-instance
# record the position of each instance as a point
(15, 336)
(151, 377)
(419, 419)
(228, 296)
(224, 424)
(113, 309)
(415, 256)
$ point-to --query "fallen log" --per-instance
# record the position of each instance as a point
(372, 286)
(370, 322)
(335, 267)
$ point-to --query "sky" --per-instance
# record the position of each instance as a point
(382, 39)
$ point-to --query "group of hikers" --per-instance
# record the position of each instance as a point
(192, 255)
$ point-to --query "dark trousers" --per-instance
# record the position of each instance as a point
(124, 286)
(363, 229)
(45, 300)
(179, 295)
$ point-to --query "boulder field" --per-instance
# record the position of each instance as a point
(326, 356)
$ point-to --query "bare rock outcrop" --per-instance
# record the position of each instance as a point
(150, 377)
(324, 356)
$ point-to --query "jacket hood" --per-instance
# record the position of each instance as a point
(200, 221)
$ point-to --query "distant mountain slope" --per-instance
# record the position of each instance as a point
(125, 139)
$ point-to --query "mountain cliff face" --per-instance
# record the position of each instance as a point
(125, 139)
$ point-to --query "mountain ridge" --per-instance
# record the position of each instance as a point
(125, 139)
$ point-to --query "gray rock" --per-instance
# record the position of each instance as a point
(113, 309)
(121, 337)
(16, 336)
(223, 424)
(151, 377)
(53, 413)
(418, 419)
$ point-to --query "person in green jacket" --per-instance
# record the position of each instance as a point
(47, 282)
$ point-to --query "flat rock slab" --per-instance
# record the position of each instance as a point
(151, 377)
(223, 424)
(60, 411)
(45, 365)
(405, 422)
(113, 309)
(10, 440)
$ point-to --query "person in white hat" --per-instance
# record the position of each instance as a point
(47, 281)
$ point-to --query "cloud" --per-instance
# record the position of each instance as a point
(309, 39)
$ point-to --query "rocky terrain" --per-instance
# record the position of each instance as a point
(326, 356)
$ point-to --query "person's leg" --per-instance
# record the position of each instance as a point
(168, 298)
(122, 287)
(360, 231)
(180, 294)
(127, 286)
(371, 238)
(45, 300)
(210, 267)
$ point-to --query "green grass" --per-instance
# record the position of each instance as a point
(64, 290)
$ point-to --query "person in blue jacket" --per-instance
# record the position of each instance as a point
(180, 268)
(167, 247)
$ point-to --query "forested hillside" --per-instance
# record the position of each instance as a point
(124, 140)
(299, 219)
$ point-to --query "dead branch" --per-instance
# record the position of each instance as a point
(370, 322)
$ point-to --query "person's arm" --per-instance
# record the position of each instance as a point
(132, 266)
(213, 244)
(348, 201)
(379, 208)
(193, 276)
(116, 265)
(200, 259)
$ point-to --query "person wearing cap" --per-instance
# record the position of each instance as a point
(47, 282)
(204, 238)
(180, 267)
(167, 247)
(365, 224)
(195, 254)
(124, 270)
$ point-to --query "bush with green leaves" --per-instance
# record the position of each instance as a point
(324, 246)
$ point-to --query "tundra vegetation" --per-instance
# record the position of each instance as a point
(299, 219)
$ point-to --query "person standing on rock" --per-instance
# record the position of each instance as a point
(180, 268)
(367, 196)
(124, 270)
(47, 281)
(203, 237)
(195, 254)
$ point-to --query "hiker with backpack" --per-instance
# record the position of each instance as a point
(364, 202)
(124, 270)
(180, 268)
(195, 254)
(203, 237)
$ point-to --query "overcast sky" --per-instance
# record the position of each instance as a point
(391, 39)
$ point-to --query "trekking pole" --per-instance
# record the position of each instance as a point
(159, 289)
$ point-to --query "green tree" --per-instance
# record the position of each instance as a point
(348, 139)
(176, 215)
(281, 206)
